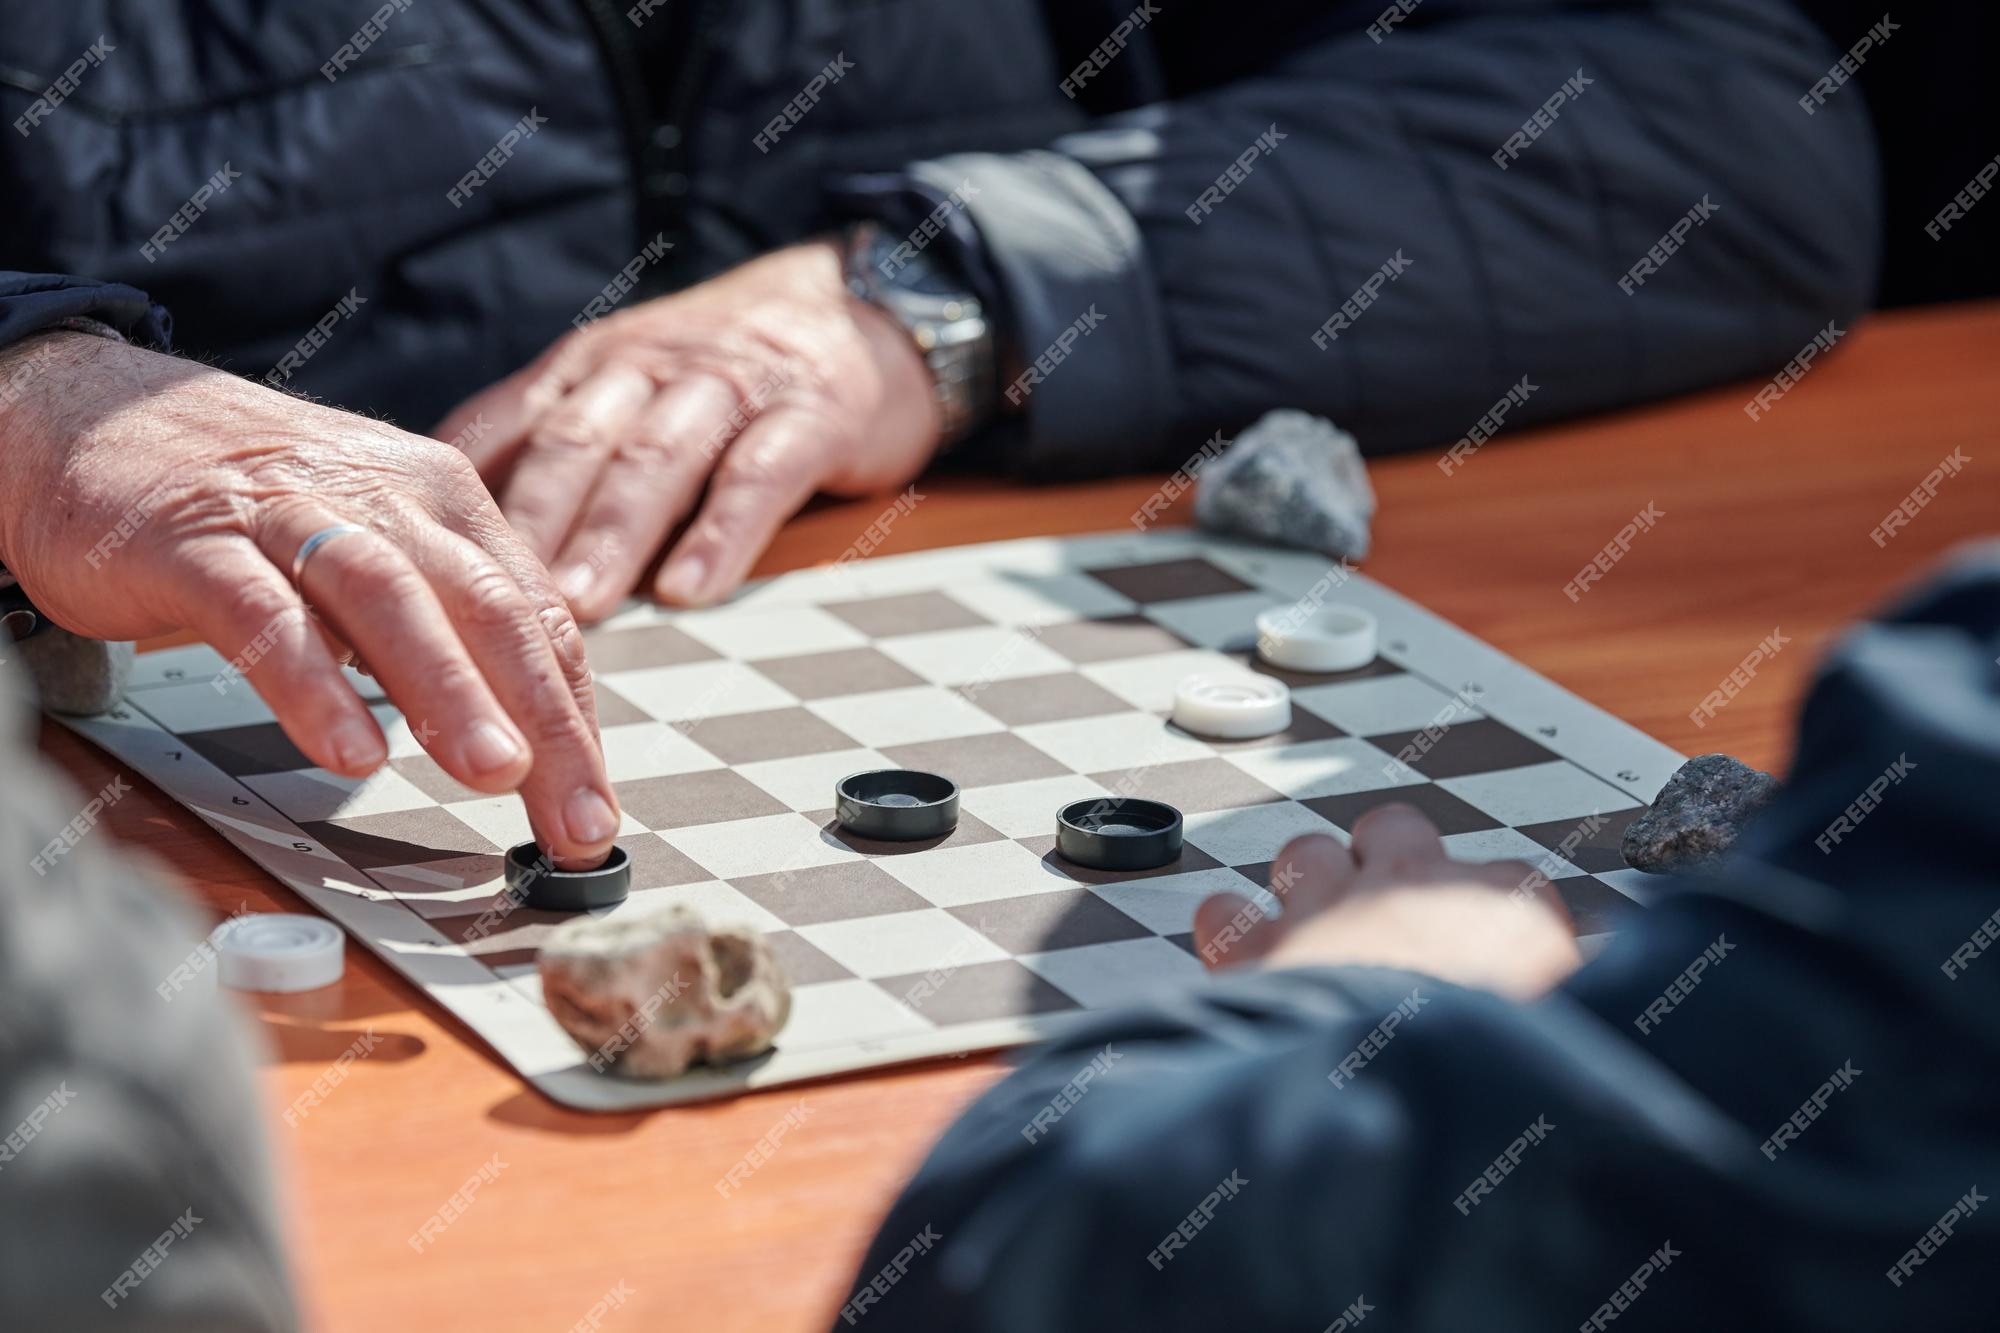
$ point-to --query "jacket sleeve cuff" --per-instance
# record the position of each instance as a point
(1067, 260)
(33, 303)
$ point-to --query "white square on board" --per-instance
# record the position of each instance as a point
(1379, 704)
(652, 750)
(764, 845)
(1324, 768)
(1027, 809)
(955, 876)
(1538, 793)
(806, 782)
(839, 1014)
(1253, 834)
(695, 690)
(748, 633)
(981, 652)
(906, 716)
(1120, 972)
(902, 943)
(1112, 741)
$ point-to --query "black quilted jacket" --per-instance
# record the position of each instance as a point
(341, 176)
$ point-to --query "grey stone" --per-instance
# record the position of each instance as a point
(75, 675)
(1292, 479)
(648, 994)
(1697, 815)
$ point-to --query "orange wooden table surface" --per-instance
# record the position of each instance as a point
(1764, 525)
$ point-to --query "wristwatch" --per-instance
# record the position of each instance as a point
(942, 316)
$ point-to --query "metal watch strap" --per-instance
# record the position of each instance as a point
(948, 325)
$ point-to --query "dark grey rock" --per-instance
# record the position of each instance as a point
(1292, 479)
(1697, 815)
(75, 675)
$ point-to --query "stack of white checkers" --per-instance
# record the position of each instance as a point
(1245, 706)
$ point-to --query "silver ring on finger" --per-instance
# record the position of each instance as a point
(314, 542)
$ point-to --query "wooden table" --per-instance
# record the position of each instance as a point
(1765, 526)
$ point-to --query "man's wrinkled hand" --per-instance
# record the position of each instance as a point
(147, 494)
(734, 401)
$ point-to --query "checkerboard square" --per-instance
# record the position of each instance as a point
(904, 717)
(969, 833)
(1027, 809)
(1506, 844)
(806, 783)
(1030, 599)
(1169, 580)
(780, 733)
(746, 633)
(1165, 904)
(1594, 906)
(978, 761)
(613, 708)
(454, 878)
(1149, 683)
(713, 901)
(699, 690)
(907, 613)
(503, 820)
(1109, 638)
(846, 671)
(759, 846)
(1537, 793)
(1052, 698)
(1041, 922)
(397, 838)
(1192, 858)
(657, 865)
(979, 653)
(955, 876)
(1191, 786)
(261, 747)
(1323, 768)
(615, 649)
(1116, 740)
(1380, 704)
(1441, 807)
(978, 992)
(840, 892)
(1592, 843)
(841, 1013)
(651, 750)
(314, 793)
(1119, 973)
(802, 964)
(1254, 833)
(681, 800)
(422, 772)
(1223, 622)
(882, 946)
(1479, 746)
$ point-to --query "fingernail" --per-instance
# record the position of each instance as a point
(488, 748)
(684, 579)
(575, 582)
(356, 745)
(590, 818)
